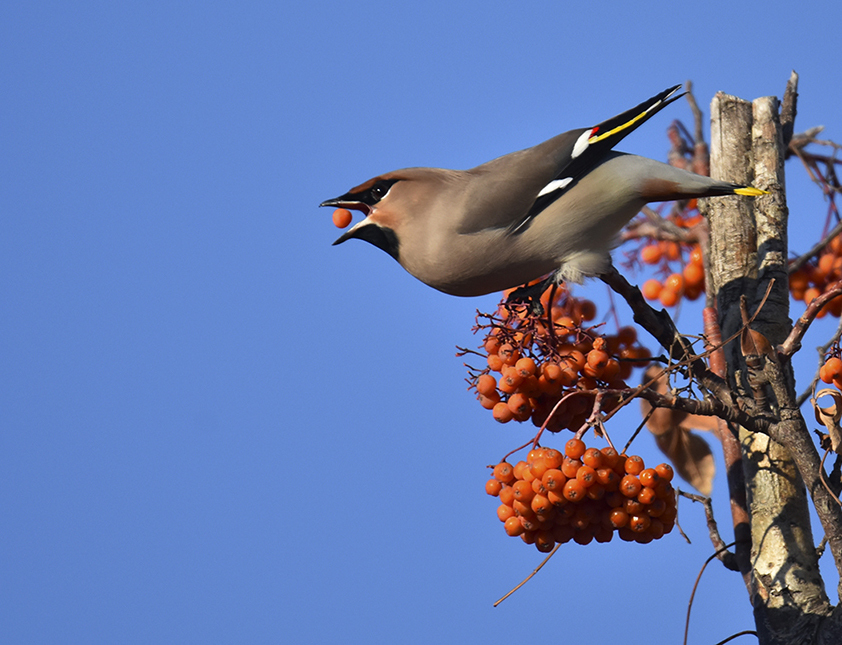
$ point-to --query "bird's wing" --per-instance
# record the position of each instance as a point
(578, 151)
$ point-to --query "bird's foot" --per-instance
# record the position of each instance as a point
(530, 294)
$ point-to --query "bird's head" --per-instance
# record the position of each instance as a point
(378, 200)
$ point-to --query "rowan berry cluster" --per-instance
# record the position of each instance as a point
(582, 495)
(688, 283)
(813, 279)
(532, 366)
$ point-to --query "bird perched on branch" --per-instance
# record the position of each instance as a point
(554, 208)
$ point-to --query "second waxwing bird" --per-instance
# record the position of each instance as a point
(555, 207)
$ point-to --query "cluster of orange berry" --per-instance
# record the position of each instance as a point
(831, 371)
(582, 495)
(531, 367)
(811, 280)
(689, 283)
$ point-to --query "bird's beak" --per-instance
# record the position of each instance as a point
(349, 201)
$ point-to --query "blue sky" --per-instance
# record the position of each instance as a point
(215, 427)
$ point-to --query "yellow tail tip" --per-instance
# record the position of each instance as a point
(751, 191)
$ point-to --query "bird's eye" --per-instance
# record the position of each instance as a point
(379, 191)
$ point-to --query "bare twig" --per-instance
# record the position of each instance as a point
(695, 586)
(728, 559)
(793, 342)
(747, 632)
(529, 577)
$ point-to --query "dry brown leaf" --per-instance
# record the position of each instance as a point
(829, 417)
(688, 452)
(753, 343)
(691, 456)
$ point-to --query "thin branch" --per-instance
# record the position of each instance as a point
(747, 632)
(695, 586)
(728, 559)
(793, 342)
(529, 577)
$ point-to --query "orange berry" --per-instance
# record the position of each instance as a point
(826, 263)
(584, 537)
(492, 344)
(603, 534)
(634, 506)
(651, 289)
(811, 294)
(538, 467)
(541, 505)
(507, 495)
(544, 541)
(493, 487)
(342, 217)
(495, 363)
(611, 371)
(674, 282)
(647, 495)
(522, 509)
(513, 527)
(519, 405)
(574, 448)
(696, 255)
(608, 478)
(598, 358)
(649, 477)
(596, 491)
(639, 523)
(526, 366)
(574, 490)
(488, 402)
(593, 457)
(634, 465)
(650, 254)
(553, 480)
(672, 250)
(553, 458)
(529, 386)
(528, 537)
(832, 369)
(668, 297)
(694, 275)
(504, 512)
(486, 384)
(523, 491)
(618, 518)
(519, 468)
(630, 486)
(665, 491)
(587, 476)
(538, 487)
(503, 472)
(535, 454)
(656, 528)
(502, 413)
(570, 467)
(509, 382)
(656, 508)
(508, 353)
(665, 472)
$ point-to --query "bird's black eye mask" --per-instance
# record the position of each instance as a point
(363, 197)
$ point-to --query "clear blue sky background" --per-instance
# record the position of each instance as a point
(215, 427)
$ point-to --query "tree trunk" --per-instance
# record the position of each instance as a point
(748, 255)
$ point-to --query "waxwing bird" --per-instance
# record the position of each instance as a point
(557, 206)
